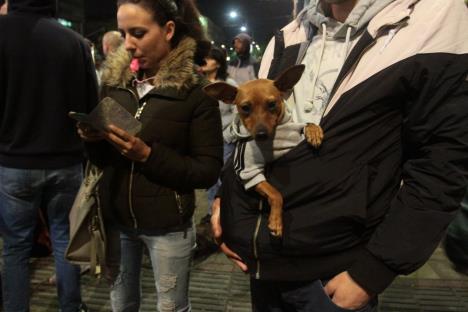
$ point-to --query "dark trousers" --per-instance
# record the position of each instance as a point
(268, 296)
(456, 241)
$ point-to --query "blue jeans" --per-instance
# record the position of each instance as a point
(212, 191)
(456, 241)
(271, 296)
(22, 193)
(171, 257)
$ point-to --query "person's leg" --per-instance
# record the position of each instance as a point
(60, 191)
(265, 296)
(20, 196)
(126, 290)
(456, 241)
(171, 257)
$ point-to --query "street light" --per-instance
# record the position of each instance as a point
(233, 14)
(243, 28)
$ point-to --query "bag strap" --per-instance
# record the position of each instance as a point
(96, 224)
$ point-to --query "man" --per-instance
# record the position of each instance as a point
(3, 7)
(243, 67)
(48, 72)
(387, 80)
(110, 42)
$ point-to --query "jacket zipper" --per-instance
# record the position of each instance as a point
(179, 206)
(130, 184)
(130, 195)
(255, 237)
(181, 211)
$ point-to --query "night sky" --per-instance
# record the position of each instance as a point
(262, 17)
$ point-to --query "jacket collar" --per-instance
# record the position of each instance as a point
(314, 16)
(174, 79)
(394, 15)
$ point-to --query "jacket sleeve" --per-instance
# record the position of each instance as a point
(434, 173)
(201, 167)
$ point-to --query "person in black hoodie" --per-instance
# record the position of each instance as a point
(46, 71)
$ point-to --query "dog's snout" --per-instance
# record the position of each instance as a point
(261, 133)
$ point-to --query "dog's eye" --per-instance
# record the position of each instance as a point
(245, 109)
(272, 105)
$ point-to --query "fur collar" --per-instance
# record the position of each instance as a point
(177, 70)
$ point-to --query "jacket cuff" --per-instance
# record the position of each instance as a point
(371, 273)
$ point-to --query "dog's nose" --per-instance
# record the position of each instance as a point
(261, 135)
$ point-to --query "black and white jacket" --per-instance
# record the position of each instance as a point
(392, 170)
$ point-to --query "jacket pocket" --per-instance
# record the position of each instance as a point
(327, 220)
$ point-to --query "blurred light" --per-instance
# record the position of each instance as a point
(212, 42)
(223, 46)
(258, 47)
(203, 21)
(253, 42)
(243, 28)
(230, 49)
(228, 58)
(65, 22)
(233, 14)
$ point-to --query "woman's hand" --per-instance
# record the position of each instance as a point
(218, 231)
(88, 133)
(128, 145)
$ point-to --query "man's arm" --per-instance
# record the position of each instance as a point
(435, 171)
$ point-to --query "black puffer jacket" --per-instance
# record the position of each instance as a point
(183, 127)
(376, 198)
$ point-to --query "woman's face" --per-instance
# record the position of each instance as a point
(210, 65)
(148, 42)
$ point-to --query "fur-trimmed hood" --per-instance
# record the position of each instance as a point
(177, 69)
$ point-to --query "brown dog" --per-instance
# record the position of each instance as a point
(261, 109)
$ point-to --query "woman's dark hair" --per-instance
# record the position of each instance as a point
(186, 17)
(219, 56)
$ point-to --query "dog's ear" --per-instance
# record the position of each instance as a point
(288, 78)
(221, 91)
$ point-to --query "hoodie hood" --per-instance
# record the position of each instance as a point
(39, 7)
(314, 14)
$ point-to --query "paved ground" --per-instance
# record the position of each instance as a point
(217, 285)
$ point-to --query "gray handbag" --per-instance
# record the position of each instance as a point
(87, 243)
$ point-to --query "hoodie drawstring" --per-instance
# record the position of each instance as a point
(347, 45)
(309, 106)
(344, 54)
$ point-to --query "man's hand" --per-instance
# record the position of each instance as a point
(128, 145)
(346, 293)
(218, 231)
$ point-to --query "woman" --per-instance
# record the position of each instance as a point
(215, 69)
(147, 189)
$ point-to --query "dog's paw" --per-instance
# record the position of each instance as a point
(314, 135)
(275, 224)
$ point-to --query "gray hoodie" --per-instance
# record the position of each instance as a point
(324, 53)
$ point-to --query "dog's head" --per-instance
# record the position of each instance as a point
(259, 102)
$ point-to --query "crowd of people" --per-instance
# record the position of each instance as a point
(387, 81)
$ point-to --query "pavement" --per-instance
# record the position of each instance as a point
(218, 285)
